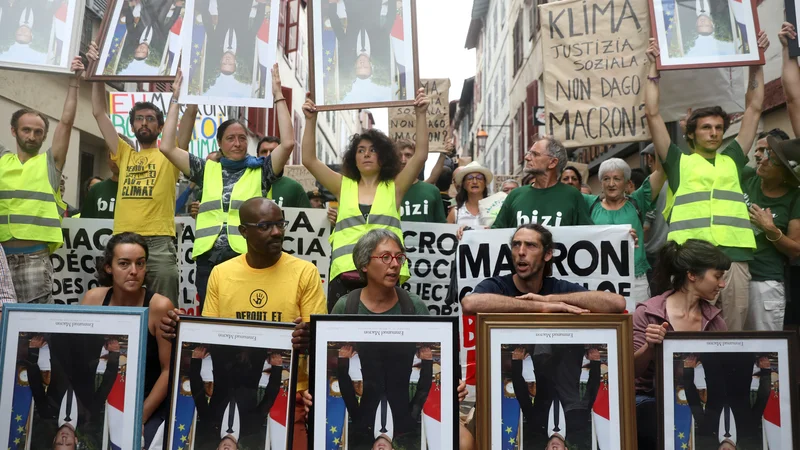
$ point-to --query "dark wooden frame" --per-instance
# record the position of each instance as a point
(791, 17)
(312, 69)
(105, 25)
(621, 323)
(382, 319)
(791, 338)
(233, 324)
(760, 62)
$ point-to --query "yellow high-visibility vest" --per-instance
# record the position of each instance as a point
(351, 225)
(30, 209)
(709, 204)
(211, 215)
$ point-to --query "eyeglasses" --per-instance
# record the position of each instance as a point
(148, 119)
(387, 258)
(266, 226)
(475, 176)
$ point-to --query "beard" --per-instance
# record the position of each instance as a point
(146, 138)
(27, 147)
(533, 171)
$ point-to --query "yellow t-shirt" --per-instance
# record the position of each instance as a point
(146, 192)
(281, 293)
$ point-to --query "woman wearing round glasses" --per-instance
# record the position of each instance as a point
(473, 180)
(369, 188)
(226, 183)
(771, 195)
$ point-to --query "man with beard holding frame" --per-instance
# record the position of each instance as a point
(146, 193)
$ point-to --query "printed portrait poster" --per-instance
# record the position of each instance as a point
(363, 52)
(39, 34)
(595, 70)
(229, 47)
(403, 119)
(142, 39)
(706, 32)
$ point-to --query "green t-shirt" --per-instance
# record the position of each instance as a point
(627, 215)
(422, 203)
(768, 263)
(672, 167)
(100, 200)
(288, 193)
(559, 205)
(419, 307)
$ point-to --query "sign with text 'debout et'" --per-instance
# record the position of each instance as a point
(595, 69)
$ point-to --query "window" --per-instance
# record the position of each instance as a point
(502, 14)
(298, 137)
(288, 25)
(533, 19)
(518, 44)
(282, 24)
(532, 101)
(299, 65)
(538, 20)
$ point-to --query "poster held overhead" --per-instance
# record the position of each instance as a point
(402, 119)
(362, 53)
(140, 41)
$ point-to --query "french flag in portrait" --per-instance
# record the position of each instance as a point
(115, 411)
(277, 419)
(601, 418)
(740, 9)
(772, 418)
(432, 416)
(398, 47)
(262, 47)
(60, 33)
(174, 47)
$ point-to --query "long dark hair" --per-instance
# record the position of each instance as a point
(384, 147)
(105, 278)
(462, 195)
(677, 261)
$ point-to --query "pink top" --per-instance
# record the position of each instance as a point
(654, 311)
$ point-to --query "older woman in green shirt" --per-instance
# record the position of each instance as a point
(614, 207)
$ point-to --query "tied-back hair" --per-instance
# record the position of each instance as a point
(362, 252)
(224, 126)
(691, 123)
(677, 261)
(388, 159)
(105, 278)
(546, 238)
(140, 106)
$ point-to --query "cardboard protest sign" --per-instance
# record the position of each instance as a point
(403, 123)
(598, 257)
(431, 249)
(74, 264)
(595, 70)
(204, 136)
(301, 175)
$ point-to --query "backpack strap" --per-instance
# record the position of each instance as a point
(353, 299)
(406, 304)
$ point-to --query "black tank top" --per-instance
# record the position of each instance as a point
(152, 366)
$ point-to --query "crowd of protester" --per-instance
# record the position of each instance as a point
(714, 237)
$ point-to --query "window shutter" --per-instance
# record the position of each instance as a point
(532, 101)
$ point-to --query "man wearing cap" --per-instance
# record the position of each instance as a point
(548, 201)
(708, 201)
(315, 199)
(771, 194)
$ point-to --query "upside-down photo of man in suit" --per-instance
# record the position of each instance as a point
(29, 31)
(234, 414)
(730, 418)
(148, 25)
(557, 406)
(386, 415)
(69, 402)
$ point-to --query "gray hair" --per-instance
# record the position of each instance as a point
(557, 150)
(362, 252)
(612, 164)
(510, 180)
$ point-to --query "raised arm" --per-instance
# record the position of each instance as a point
(327, 177)
(176, 156)
(186, 127)
(753, 100)
(415, 165)
(658, 129)
(99, 110)
(282, 153)
(495, 303)
(790, 76)
(657, 179)
(64, 128)
(436, 172)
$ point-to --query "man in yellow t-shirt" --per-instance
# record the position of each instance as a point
(146, 193)
(267, 285)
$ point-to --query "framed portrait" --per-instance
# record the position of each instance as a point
(555, 380)
(705, 33)
(362, 53)
(40, 35)
(233, 385)
(384, 382)
(140, 40)
(229, 47)
(73, 375)
(728, 390)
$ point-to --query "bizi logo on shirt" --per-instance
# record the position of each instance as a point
(415, 209)
(546, 221)
(106, 205)
(140, 179)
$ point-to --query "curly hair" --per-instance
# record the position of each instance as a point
(388, 159)
(711, 111)
(104, 278)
